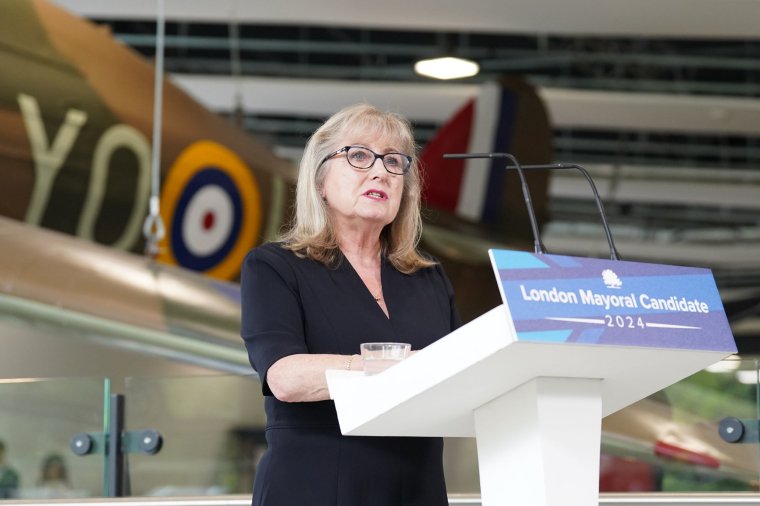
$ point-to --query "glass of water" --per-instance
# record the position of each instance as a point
(377, 357)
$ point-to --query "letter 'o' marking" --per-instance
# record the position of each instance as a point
(211, 205)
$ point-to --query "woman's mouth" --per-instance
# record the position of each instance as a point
(376, 194)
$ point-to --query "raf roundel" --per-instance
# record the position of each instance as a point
(212, 210)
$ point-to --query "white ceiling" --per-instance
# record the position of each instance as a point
(436, 102)
(662, 18)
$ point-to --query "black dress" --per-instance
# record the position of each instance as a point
(292, 305)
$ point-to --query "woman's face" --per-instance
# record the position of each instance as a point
(362, 198)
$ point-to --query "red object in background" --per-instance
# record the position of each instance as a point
(622, 474)
(443, 178)
(670, 451)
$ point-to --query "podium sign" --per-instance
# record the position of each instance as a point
(553, 298)
(575, 340)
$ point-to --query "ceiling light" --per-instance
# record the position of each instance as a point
(447, 67)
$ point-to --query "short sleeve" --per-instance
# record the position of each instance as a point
(271, 312)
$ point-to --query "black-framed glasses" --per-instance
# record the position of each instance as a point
(363, 158)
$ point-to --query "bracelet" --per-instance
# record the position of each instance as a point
(348, 363)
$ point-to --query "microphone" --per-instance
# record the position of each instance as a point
(614, 255)
(538, 246)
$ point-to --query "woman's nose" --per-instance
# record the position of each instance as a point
(377, 165)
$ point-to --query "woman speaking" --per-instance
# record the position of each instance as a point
(347, 271)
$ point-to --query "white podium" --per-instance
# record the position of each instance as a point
(535, 408)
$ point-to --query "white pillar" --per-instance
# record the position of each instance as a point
(539, 444)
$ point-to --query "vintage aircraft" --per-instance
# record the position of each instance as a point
(75, 124)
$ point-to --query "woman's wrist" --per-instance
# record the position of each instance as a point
(350, 362)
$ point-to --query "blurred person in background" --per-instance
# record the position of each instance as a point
(9, 479)
(54, 475)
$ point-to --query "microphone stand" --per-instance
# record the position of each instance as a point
(614, 255)
(538, 246)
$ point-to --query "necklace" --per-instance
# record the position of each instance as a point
(377, 299)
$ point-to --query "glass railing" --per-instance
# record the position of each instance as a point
(668, 442)
(212, 435)
(38, 419)
(671, 441)
(212, 429)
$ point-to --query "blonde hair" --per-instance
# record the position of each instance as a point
(311, 232)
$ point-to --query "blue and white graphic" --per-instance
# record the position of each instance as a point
(611, 280)
(554, 298)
